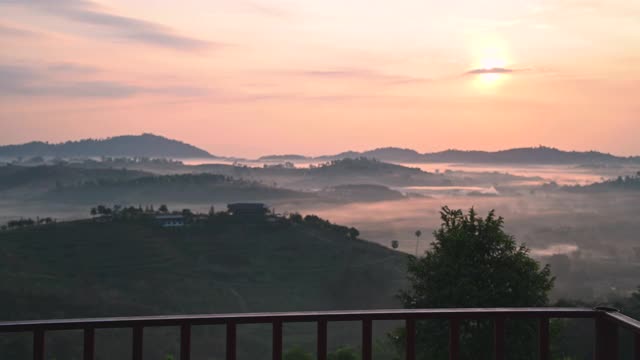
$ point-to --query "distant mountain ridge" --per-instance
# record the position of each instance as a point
(145, 145)
(154, 146)
(533, 155)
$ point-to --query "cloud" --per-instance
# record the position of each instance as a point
(122, 27)
(6, 30)
(490, 71)
(37, 81)
(364, 75)
(72, 68)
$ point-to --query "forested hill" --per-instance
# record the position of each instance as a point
(93, 268)
(537, 155)
(145, 145)
(532, 155)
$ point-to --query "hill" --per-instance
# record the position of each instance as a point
(533, 155)
(360, 193)
(145, 145)
(537, 155)
(31, 181)
(224, 264)
(621, 183)
(186, 188)
(390, 154)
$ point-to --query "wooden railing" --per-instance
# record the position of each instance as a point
(607, 322)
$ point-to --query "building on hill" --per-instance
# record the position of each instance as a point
(247, 209)
(170, 220)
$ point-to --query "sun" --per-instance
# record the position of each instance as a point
(492, 62)
(490, 54)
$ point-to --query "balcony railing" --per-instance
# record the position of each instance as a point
(607, 324)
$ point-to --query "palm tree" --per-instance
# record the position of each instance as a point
(418, 233)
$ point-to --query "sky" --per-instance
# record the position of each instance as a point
(256, 77)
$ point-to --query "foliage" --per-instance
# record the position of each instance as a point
(297, 353)
(28, 222)
(473, 262)
(343, 353)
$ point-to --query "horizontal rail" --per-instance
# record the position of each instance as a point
(607, 322)
(312, 316)
(623, 321)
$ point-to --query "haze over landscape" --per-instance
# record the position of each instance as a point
(240, 156)
(249, 78)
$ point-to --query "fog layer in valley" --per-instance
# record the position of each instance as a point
(589, 237)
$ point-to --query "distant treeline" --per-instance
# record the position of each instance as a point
(28, 222)
(532, 155)
(619, 183)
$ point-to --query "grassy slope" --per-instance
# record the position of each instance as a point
(82, 268)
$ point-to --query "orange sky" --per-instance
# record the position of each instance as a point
(251, 77)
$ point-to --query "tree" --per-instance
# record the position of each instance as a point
(418, 233)
(473, 262)
(163, 209)
(343, 353)
(297, 353)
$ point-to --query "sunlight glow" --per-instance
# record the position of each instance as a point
(490, 53)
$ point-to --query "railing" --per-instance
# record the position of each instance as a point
(607, 323)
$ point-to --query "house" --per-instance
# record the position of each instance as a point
(170, 220)
(247, 209)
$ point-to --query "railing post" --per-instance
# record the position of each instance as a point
(544, 350)
(498, 338)
(185, 342)
(322, 340)
(636, 337)
(410, 330)
(38, 344)
(606, 346)
(367, 337)
(276, 347)
(231, 341)
(89, 344)
(454, 339)
(137, 342)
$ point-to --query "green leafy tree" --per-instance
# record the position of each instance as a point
(343, 353)
(473, 262)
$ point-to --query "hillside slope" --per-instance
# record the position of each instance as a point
(87, 269)
(145, 145)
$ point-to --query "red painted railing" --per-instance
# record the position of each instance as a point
(607, 324)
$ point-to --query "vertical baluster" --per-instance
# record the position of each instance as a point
(454, 339)
(606, 347)
(367, 339)
(185, 342)
(137, 342)
(410, 329)
(231, 341)
(276, 346)
(498, 330)
(322, 340)
(544, 350)
(636, 337)
(38, 344)
(89, 344)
